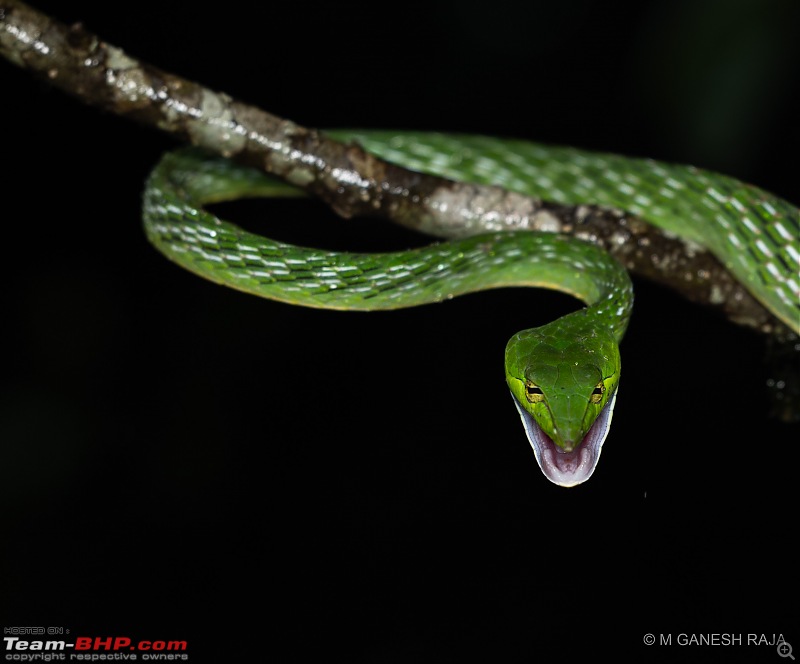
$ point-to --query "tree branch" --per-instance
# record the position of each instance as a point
(352, 181)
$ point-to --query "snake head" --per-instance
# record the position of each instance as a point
(564, 388)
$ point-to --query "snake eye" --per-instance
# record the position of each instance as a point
(533, 393)
(597, 392)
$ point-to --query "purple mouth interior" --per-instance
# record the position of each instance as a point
(568, 468)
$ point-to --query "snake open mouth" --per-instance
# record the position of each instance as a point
(568, 468)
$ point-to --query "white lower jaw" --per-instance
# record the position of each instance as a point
(568, 468)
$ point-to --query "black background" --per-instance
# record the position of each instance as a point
(182, 461)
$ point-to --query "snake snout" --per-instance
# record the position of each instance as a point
(567, 446)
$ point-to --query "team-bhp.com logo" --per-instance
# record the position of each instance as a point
(94, 648)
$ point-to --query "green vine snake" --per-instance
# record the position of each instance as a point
(563, 376)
